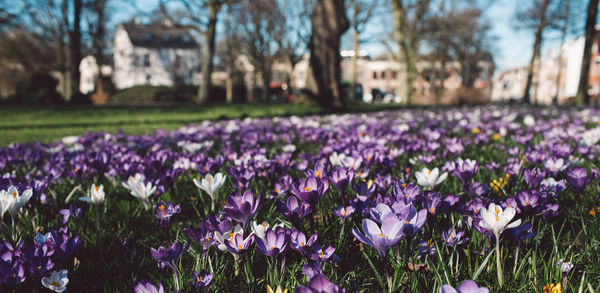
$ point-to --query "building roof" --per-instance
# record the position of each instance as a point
(159, 36)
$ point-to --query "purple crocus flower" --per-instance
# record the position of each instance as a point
(577, 177)
(465, 170)
(341, 177)
(382, 239)
(293, 209)
(556, 165)
(72, 211)
(168, 257)
(298, 242)
(273, 244)
(242, 207)
(319, 284)
(406, 192)
(465, 287)
(310, 190)
(164, 211)
(322, 254)
(145, 286)
(452, 237)
(201, 280)
(238, 244)
(343, 212)
(528, 199)
(426, 248)
(534, 176)
(414, 222)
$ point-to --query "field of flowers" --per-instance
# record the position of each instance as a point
(417, 200)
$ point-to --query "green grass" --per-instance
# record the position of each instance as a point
(47, 123)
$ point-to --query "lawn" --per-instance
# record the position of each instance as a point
(47, 123)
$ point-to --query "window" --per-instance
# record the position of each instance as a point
(374, 74)
(383, 75)
(147, 60)
(394, 74)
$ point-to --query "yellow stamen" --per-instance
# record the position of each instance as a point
(301, 243)
(97, 187)
(14, 194)
(407, 170)
(210, 178)
(55, 284)
(162, 209)
(318, 173)
(200, 278)
(429, 172)
(265, 224)
(231, 235)
(527, 203)
(39, 267)
(272, 247)
(321, 254)
(241, 246)
(306, 188)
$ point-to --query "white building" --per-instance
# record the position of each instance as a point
(88, 69)
(154, 54)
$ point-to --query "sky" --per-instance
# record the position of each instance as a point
(511, 48)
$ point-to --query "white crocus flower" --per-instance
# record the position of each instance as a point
(430, 178)
(336, 159)
(211, 184)
(495, 219)
(5, 202)
(227, 235)
(96, 196)
(260, 229)
(138, 188)
(57, 282)
(16, 201)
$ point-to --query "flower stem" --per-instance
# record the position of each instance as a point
(176, 279)
(99, 242)
(498, 264)
(387, 275)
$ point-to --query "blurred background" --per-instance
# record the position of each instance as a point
(332, 52)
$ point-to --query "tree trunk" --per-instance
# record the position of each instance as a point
(537, 45)
(355, 55)
(75, 42)
(209, 50)
(98, 42)
(442, 79)
(229, 84)
(354, 65)
(582, 92)
(65, 66)
(563, 37)
(407, 49)
(329, 22)
(266, 81)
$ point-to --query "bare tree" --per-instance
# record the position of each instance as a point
(228, 50)
(362, 11)
(329, 22)
(582, 92)
(260, 23)
(294, 42)
(202, 17)
(409, 26)
(540, 16)
(97, 19)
